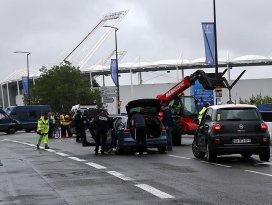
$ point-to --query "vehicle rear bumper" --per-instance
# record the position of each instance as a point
(150, 143)
(238, 149)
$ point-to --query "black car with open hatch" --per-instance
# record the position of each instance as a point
(232, 129)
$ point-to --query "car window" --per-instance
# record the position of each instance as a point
(2, 116)
(245, 114)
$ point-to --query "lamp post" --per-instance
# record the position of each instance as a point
(27, 62)
(117, 72)
(215, 41)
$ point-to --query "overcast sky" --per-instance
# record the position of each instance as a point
(152, 29)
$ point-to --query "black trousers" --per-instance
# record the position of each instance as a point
(140, 134)
(100, 139)
(80, 133)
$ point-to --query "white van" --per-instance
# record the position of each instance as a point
(81, 107)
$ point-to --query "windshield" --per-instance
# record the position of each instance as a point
(184, 105)
(245, 114)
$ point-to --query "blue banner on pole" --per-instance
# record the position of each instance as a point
(25, 85)
(208, 33)
(113, 71)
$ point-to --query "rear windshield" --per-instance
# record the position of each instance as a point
(245, 114)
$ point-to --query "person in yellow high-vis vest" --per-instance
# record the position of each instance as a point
(42, 130)
(201, 112)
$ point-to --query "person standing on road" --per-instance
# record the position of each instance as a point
(42, 130)
(102, 123)
(79, 124)
(168, 123)
(139, 127)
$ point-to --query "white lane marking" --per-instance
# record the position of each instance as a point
(50, 150)
(97, 166)
(62, 154)
(120, 176)
(154, 191)
(77, 159)
(179, 157)
(32, 145)
(221, 165)
(270, 175)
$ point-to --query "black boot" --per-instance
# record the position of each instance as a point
(38, 146)
(46, 147)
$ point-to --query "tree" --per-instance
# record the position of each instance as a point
(257, 100)
(62, 87)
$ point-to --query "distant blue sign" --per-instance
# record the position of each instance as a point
(113, 71)
(208, 33)
(202, 96)
(25, 85)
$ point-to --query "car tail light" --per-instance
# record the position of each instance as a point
(216, 127)
(264, 126)
(217, 141)
(126, 130)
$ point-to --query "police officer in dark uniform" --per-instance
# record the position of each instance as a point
(79, 125)
(139, 127)
(102, 125)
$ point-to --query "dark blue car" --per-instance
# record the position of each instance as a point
(7, 124)
(156, 134)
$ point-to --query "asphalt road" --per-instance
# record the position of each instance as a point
(71, 174)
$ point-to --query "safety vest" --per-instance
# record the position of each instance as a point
(43, 125)
(66, 121)
(53, 119)
(61, 119)
(200, 114)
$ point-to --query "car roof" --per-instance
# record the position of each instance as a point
(216, 107)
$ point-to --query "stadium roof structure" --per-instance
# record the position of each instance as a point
(171, 64)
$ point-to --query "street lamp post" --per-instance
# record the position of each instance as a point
(117, 72)
(215, 40)
(28, 83)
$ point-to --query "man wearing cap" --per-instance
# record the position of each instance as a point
(42, 130)
(168, 123)
(79, 124)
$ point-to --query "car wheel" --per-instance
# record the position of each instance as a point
(11, 130)
(265, 156)
(162, 149)
(196, 152)
(246, 155)
(211, 157)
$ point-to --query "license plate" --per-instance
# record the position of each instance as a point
(238, 141)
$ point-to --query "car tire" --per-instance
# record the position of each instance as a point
(246, 155)
(176, 133)
(211, 157)
(162, 150)
(196, 152)
(11, 130)
(265, 156)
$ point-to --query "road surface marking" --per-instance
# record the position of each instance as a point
(62, 154)
(259, 173)
(77, 159)
(154, 191)
(97, 166)
(221, 165)
(179, 157)
(120, 176)
(50, 150)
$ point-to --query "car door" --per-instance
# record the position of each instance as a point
(4, 122)
(204, 128)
